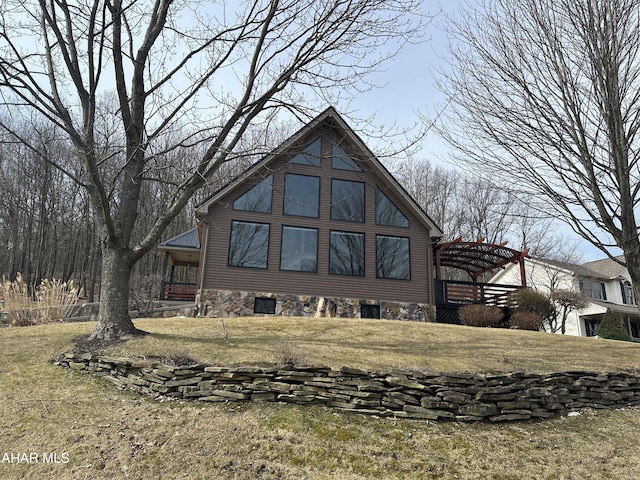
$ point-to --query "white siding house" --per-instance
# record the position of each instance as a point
(605, 283)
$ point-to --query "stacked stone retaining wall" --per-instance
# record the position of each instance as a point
(408, 394)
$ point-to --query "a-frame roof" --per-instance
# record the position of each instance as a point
(331, 118)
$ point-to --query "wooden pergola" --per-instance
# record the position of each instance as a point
(476, 259)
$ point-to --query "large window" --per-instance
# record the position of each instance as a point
(310, 156)
(387, 213)
(249, 244)
(591, 327)
(392, 257)
(301, 195)
(341, 161)
(593, 289)
(627, 293)
(347, 200)
(346, 253)
(299, 250)
(258, 198)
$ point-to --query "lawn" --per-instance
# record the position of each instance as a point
(97, 431)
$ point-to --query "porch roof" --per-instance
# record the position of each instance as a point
(183, 249)
(477, 258)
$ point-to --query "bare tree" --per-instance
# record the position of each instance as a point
(467, 206)
(566, 301)
(544, 100)
(202, 71)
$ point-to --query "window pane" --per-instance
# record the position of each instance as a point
(593, 289)
(299, 249)
(249, 245)
(347, 201)
(342, 161)
(257, 199)
(346, 253)
(392, 257)
(302, 195)
(627, 293)
(264, 305)
(310, 155)
(387, 213)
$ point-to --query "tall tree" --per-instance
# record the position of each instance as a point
(216, 67)
(545, 98)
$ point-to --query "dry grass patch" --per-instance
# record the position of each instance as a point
(111, 434)
(376, 345)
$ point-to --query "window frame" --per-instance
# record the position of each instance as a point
(628, 298)
(586, 287)
(285, 196)
(268, 178)
(282, 244)
(343, 154)
(380, 194)
(270, 302)
(394, 237)
(331, 249)
(363, 185)
(231, 233)
(305, 154)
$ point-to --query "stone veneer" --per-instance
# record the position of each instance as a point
(402, 394)
(233, 303)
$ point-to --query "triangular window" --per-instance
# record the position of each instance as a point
(310, 155)
(387, 213)
(257, 198)
(341, 161)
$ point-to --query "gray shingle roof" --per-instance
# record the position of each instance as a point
(604, 269)
(188, 239)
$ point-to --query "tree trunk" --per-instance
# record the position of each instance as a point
(632, 259)
(114, 322)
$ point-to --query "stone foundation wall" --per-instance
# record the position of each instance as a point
(230, 303)
(402, 394)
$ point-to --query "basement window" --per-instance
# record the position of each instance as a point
(369, 311)
(264, 305)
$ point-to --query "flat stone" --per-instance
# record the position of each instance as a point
(263, 397)
(509, 418)
(478, 409)
(427, 412)
(184, 381)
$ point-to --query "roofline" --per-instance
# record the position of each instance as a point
(338, 122)
(542, 261)
(174, 248)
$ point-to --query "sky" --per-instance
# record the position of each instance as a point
(409, 92)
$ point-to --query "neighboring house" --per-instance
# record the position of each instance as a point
(319, 226)
(605, 283)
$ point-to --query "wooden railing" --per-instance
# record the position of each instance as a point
(454, 293)
(179, 291)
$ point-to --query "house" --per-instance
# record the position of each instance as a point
(319, 226)
(606, 283)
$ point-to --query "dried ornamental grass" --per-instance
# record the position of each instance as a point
(52, 301)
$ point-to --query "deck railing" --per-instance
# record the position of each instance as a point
(178, 291)
(451, 293)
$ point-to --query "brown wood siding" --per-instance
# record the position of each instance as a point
(218, 275)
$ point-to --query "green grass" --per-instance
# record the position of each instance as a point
(110, 434)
